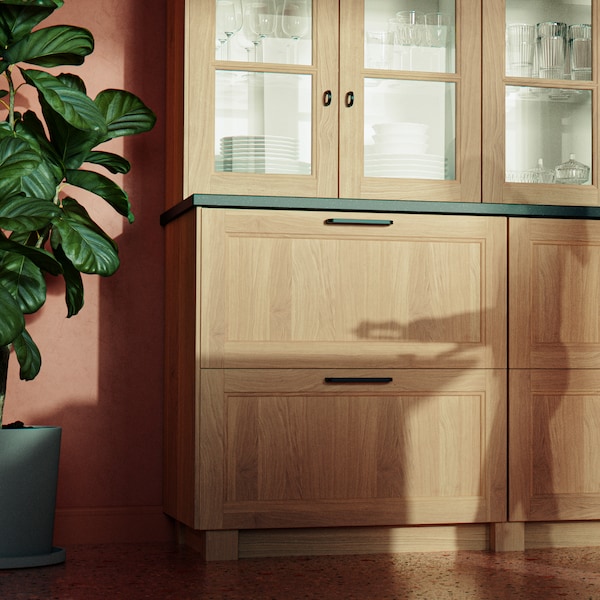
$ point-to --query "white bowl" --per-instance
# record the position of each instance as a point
(400, 128)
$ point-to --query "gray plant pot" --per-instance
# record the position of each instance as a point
(28, 477)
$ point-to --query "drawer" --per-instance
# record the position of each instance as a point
(287, 448)
(312, 289)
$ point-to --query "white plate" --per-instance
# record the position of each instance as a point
(413, 175)
(400, 128)
(260, 155)
(233, 139)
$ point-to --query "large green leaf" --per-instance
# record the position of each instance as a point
(113, 162)
(74, 292)
(104, 187)
(51, 47)
(83, 242)
(71, 145)
(23, 280)
(17, 158)
(124, 113)
(12, 321)
(28, 355)
(19, 17)
(43, 259)
(23, 214)
(75, 107)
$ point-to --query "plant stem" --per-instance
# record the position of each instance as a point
(11, 98)
(4, 356)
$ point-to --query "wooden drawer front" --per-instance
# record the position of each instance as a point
(554, 289)
(284, 289)
(426, 447)
(554, 445)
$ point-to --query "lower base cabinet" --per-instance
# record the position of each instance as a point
(286, 414)
(313, 448)
(554, 445)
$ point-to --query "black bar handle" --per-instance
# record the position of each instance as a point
(349, 99)
(327, 98)
(380, 222)
(358, 379)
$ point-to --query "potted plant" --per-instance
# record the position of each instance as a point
(46, 153)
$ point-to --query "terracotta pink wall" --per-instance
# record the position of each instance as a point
(101, 377)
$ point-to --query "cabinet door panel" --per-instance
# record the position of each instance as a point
(448, 104)
(554, 290)
(530, 116)
(426, 447)
(287, 289)
(554, 445)
(245, 109)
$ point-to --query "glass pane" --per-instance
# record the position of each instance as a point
(410, 129)
(263, 122)
(548, 135)
(276, 31)
(549, 40)
(420, 37)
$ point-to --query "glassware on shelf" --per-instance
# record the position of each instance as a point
(379, 49)
(572, 172)
(229, 22)
(539, 174)
(259, 23)
(294, 24)
(551, 49)
(580, 51)
(520, 44)
(437, 28)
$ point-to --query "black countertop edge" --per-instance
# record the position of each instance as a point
(379, 206)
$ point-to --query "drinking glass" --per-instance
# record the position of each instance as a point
(229, 22)
(580, 45)
(410, 23)
(294, 23)
(552, 46)
(437, 28)
(520, 41)
(259, 22)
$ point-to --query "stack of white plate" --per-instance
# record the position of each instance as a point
(400, 150)
(260, 154)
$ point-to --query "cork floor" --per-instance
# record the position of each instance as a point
(163, 571)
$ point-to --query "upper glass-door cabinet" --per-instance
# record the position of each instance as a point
(410, 117)
(540, 82)
(253, 73)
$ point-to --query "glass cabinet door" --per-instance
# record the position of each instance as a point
(414, 84)
(543, 90)
(254, 71)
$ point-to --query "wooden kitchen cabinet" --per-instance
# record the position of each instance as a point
(554, 374)
(330, 122)
(322, 375)
(554, 288)
(528, 117)
(318, 288)
(554, 445)
(326, 448)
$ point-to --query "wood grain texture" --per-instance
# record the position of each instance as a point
(286, 290)
(429, 447)
(554, 444)
(495, 83)
(181, 333)
(554, 287)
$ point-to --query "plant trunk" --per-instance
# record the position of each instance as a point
(4, 356)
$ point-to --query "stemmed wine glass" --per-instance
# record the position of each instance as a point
(229, 22)
(294, 23)
(259, 23)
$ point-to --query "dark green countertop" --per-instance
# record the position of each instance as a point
(379, 206)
